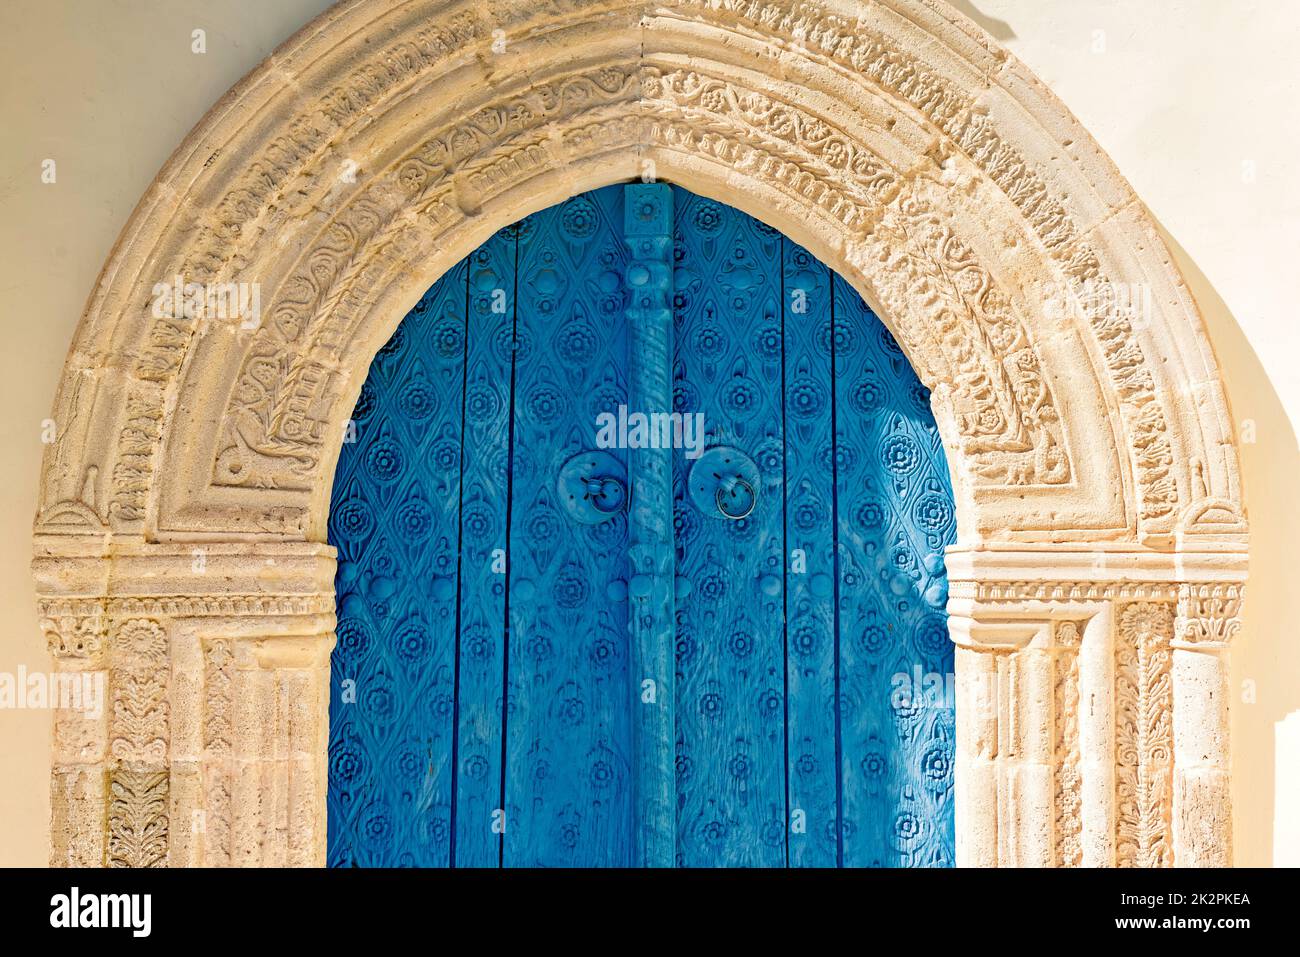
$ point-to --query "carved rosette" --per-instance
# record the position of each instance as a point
(212, 723)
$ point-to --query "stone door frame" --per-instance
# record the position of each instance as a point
(179, 542)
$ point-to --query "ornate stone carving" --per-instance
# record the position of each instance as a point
(1052, 590)
(1209, 613)
(1066, 756)
(275, 425)
(138, 745)
(293, 371)
(895, 141)
(218, 747)
(1144, 735)
(182, 606)
(75, 636)
(1001, 402)
(139, 693)
(217, 663)
(137, 819)
(903, 73)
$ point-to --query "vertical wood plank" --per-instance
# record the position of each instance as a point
(809, 559)
(895, 515)
(568, 773)
(394, 518)
(489, 347)
(730, 635)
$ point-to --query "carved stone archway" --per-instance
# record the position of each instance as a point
(1102, 544)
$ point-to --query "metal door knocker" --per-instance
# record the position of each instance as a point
(724, 483)
(593, 487)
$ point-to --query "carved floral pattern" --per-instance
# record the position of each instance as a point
(74, 636)
(1144, 735)
(1209, 613)
(137, 819)
(1068, 776)
(139, 693)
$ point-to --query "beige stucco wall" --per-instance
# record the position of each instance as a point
(1184, 95)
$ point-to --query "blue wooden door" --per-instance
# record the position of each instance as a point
(564, 642)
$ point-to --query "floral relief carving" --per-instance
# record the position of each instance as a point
(79, 637)
(1209, 613)
(901, 72)
(218, 743)
(139, 693)
(1144, 735)
(1003, 407)
(138, 743)
(691, 102)
(273, 435)
(275, 426)
(1067, 760)
(137, 819)
(139, 717)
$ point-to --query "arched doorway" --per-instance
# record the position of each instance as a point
(180, 541)
(485, 684)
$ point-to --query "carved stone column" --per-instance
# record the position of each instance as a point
(74, 634)
(975, 763)
(211, 747)
(1004, 761)
(1208, 619)
(1092, 712)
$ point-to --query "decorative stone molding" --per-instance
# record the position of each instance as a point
(211, 748)
(1139, 777)
(1093, 459)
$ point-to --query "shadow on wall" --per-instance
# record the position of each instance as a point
(1265, 665)
(1000, 30)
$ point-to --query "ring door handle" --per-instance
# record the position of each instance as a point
(592, 487)
(724, 483)
(607, 493)
(735, 498)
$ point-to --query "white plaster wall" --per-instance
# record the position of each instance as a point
(1182, 93)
